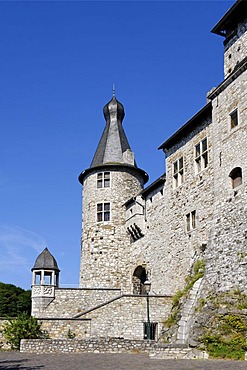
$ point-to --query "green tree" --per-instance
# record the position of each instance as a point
(14, 300)
(22, 327)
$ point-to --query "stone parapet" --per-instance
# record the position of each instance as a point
(109, 345)
(92, 345)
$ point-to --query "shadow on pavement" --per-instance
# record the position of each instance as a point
(17, 365)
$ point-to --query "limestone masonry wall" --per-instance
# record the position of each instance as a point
(168, 249)
(70, 302)
(108, 345)
(235, 49)
(226, 256)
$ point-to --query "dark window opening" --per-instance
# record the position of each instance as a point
(138, 279)
(191, 221)
(234, 118)
(236, 176)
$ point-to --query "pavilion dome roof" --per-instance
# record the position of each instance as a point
(45, 261)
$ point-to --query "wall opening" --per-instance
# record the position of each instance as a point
(236, 176)
(138, 279)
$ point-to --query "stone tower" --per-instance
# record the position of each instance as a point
(112, 179)
(45, 278)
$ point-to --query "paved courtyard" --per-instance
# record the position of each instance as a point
(23, 361)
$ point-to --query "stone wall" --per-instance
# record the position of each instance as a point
(235, 49)
(3, 342)
(226, 256)
(69, 302)
(65, 328)
(168, 250)
(92, 345)
(109, 345)
(125, 317)
(122, 317)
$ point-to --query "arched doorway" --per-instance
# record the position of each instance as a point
(138, 279)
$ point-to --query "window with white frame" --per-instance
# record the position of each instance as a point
(234, 119)
(178, 172)
(201, 155)
(103, 212)
(103, 180)
(190, 221)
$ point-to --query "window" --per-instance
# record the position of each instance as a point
(178, 172)
(201, 155)
(191, 221)
(103, 180)
(103, 212)
(234, 118)
(236, 176)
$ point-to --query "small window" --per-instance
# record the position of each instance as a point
(103, 212)
(103, 180)
(178, 172)
(201, 155)
(191, 221)
(236, 176)
(234, 118)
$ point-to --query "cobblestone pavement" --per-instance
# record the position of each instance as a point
(76, 361)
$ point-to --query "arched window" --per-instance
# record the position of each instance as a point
(138, 279)
(236, 176)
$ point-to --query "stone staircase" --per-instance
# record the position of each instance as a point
(187, 313)
(176, 352)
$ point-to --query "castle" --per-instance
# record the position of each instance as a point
(134, 238)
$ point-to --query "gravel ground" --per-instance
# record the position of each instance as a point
(76, 361)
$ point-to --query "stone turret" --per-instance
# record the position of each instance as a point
(111, 180)
(45, 278)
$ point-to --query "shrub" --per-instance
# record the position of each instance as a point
(22, 327)
(227, 337)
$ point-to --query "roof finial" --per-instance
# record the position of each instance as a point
(113, 91)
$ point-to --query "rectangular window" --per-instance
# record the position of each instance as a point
(234, 118)
(191, 221)
(103, 212)
(103, 180)
(201, 155)
(178, 172)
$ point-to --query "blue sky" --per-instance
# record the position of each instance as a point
(58, 61)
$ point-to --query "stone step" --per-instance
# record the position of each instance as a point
(177, 353)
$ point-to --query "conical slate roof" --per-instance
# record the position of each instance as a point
(45, 261)
(113, 142)
(113, 148)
